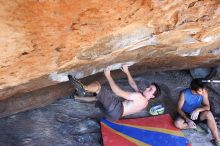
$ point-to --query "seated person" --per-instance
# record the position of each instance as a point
(193, 106)
(113, 108)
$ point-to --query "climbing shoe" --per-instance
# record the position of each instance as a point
(72, 95)
(214, 142)
(79, 87)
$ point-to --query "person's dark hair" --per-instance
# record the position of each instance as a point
(157, 92)
(197, 84)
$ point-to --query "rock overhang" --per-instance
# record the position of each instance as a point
(43, 41)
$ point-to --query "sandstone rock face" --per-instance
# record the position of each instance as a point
(44, 40)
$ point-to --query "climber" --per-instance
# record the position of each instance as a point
(111, 106)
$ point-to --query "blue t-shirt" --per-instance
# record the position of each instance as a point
(192, 101)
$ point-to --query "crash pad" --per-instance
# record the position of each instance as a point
(152, 131)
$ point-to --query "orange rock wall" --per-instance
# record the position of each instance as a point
(41, 41)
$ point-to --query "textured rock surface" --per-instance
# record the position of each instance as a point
(68, 122)
(40, 38)
(61, 123)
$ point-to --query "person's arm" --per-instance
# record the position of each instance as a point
(180, 105)
(190, 123)
(131, 81)
(115, 88)
(205, 107)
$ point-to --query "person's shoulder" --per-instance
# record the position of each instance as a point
(185, 90)
(205, 93)
(138, 95)
(135, 94)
